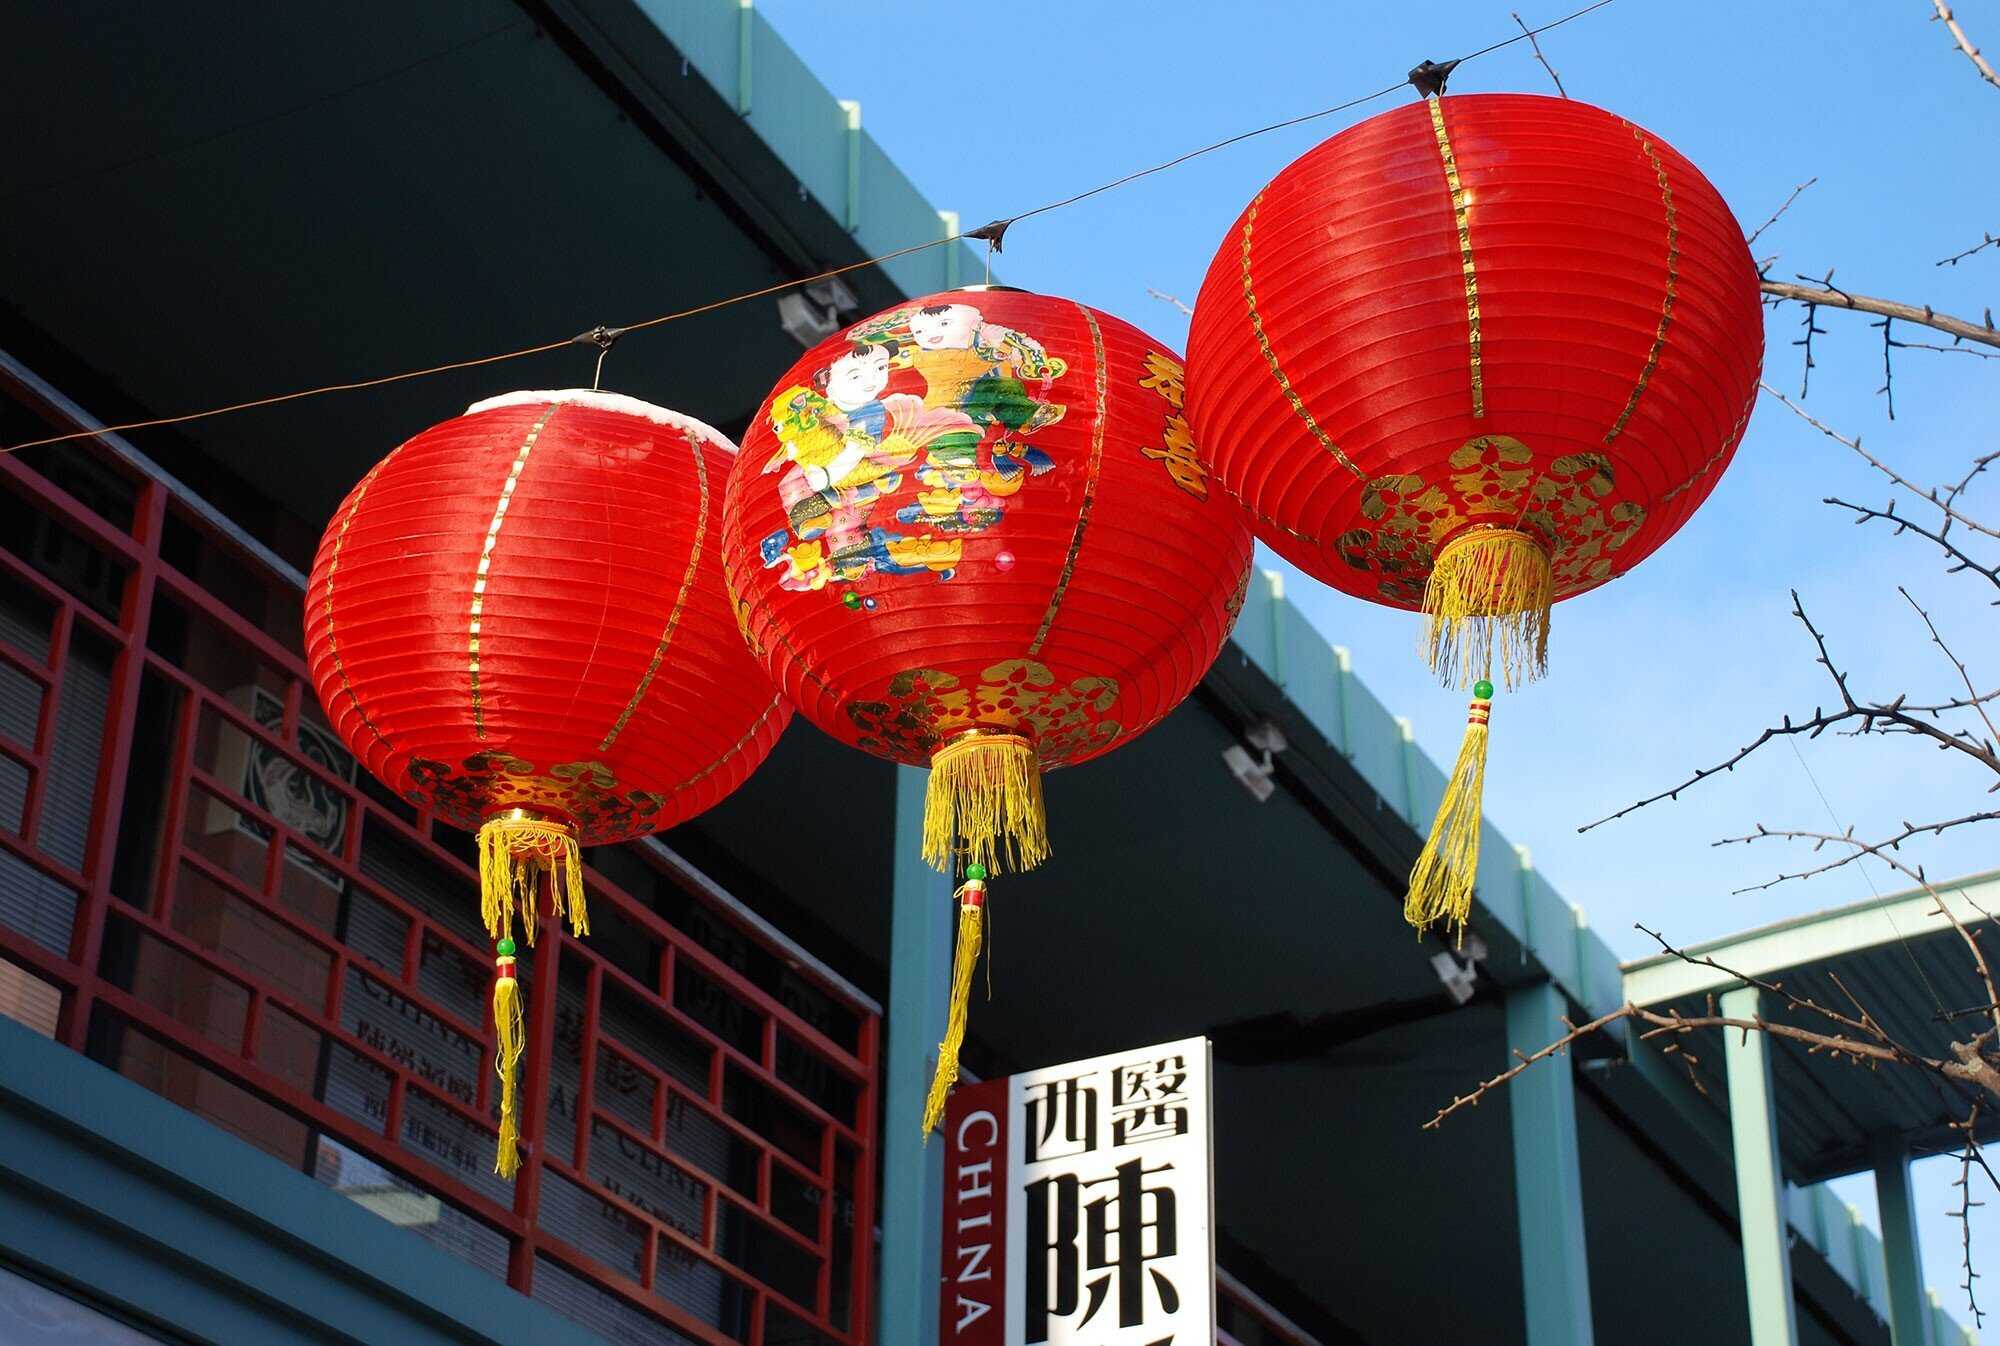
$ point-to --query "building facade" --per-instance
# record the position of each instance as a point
(245, 1071)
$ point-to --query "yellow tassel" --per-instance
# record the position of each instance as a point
(509, 1037)
(1489, 592)
(985, 794)
(971, 902)
(515, 850)
(1441, 882)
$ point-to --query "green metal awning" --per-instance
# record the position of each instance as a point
(1901, 958)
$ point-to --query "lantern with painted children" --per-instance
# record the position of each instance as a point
(1474, 356)
(973, 533)
(517, 621)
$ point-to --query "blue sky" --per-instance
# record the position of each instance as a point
(992, 110)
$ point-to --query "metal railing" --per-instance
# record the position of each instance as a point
(199, 889)
(1246, 1320)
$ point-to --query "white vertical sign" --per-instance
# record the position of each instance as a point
(1079, 1205)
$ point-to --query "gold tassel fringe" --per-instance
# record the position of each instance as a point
(971, 903)
(1489, 592)
(985, 793)
(515, 850)
(1441, 882)
(510, 1037)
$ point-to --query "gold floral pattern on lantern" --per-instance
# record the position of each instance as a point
(585, 793)
(1233, 605)
(1567, 505)
(1176, 449)
(925, 707)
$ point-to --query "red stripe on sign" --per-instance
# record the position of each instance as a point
(972, 1307)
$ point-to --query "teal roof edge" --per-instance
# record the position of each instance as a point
(818, 136)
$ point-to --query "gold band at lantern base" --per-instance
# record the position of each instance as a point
(515, 849)
(984, 805)
(1489, 592)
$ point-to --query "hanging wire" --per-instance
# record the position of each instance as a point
(991, 233)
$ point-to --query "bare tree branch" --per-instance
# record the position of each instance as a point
(1872, 1046)
(1944, 501)
(1871, 716)
(1942, 908)
(1963, 1214)
(1979, 465)
(1974, 700)
(1964, 43)
(1822, 292)
(1561, 1044)
(1756, 233)
(1947, 350)
(1957, 257)
(1543, 59)
(1887, 514)
(1859, 847)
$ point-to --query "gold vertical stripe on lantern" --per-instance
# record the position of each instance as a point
(1673, 280)
(680, 601)
(1722, 451)
(486, 564)
(1091, 471)
(1271, 357)
(729, 753)
(1462, 216)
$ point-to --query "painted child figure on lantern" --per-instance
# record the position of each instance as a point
(977, 367)
(848, 441)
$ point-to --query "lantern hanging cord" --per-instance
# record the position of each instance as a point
(991, 233)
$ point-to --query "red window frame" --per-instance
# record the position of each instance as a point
(77, 972)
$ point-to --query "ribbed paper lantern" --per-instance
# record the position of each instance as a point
(973, 533)
(1476, 355)
(517, 620)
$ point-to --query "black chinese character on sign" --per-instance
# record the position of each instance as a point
(1079, 1226)
(1149, 1101)
(1061, 1119)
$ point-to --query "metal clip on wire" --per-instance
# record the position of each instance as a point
(1429, 78)
(604, 338)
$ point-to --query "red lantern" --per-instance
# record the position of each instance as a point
(972, 532)
(1476, 355)
(517, 621)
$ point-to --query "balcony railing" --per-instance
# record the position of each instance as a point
(199, 890)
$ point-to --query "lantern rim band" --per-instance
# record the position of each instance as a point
(1472, 532)
(965, 739)
(521, 813)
